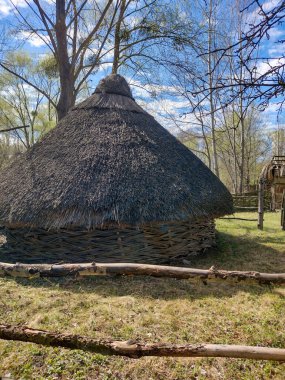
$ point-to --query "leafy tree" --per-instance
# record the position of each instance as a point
(81, 36)
(22, 105)
(71, 31)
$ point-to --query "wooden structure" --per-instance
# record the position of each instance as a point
(275, 176)
(272, 181)
(109, 183)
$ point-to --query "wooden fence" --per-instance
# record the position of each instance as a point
(250, 202)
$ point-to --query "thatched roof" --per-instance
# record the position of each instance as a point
(109, 162)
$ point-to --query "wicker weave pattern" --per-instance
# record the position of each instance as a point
(151, 244)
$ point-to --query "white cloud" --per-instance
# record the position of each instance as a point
(278, 49)
(34, 39)
(167, 107)
(268, 5)
(276, 33)
(106, 55)
(133, 20)
(254, 14)
(6, 6)
(265, 66)
(145, 90)
(105, 67)
(272, 108)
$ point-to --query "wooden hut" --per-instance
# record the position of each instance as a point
(109, 183)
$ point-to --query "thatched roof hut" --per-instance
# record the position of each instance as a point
(113, 177)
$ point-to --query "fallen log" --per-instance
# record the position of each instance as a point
(104, 269)
(134, 349)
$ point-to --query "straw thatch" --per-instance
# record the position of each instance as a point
(108, 162)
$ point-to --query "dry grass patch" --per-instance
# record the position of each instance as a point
(153, 309)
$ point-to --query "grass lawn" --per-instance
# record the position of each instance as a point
(153, 309)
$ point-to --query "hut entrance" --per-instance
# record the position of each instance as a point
(272, 181)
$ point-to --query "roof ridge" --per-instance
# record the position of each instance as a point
(110, 101)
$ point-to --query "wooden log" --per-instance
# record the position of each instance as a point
(134, 349)
(103, 269)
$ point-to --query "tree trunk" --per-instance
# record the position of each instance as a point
(134, 349)
(242, 143)
(67, 97)
(241, 116)
(206, 145)
(105, 269)
(211, 85)
(235, 163)
(117, 42)
(66, 71)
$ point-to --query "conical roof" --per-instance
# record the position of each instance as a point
(109, 162)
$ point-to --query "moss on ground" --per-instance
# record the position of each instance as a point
(153, 309)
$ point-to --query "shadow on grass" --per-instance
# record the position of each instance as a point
(238, 253)
(147, 288)
(243, 253)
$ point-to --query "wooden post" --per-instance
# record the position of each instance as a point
(260, 203)
(283, 211)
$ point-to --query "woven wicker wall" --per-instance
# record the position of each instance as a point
(152, 244)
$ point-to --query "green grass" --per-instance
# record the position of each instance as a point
(153, 309)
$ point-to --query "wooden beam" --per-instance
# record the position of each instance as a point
(283, 211)
(104, 269)
(260, 203)
(134, 349)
